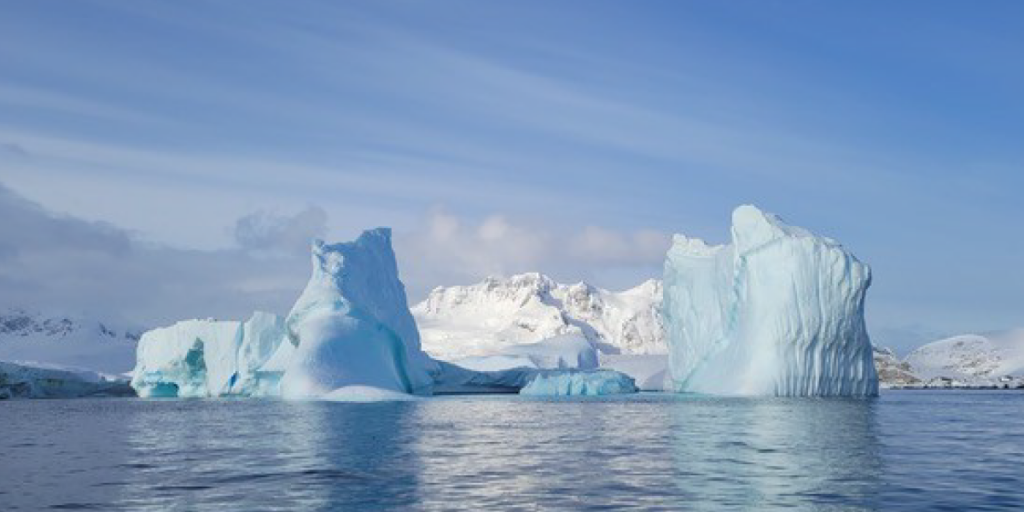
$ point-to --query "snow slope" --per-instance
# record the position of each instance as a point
(487, 318)
(560, 352)
(78, 341)
(777, 312)
(974, 359)
(22, 381)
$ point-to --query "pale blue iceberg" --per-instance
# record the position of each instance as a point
(352, 326)
(779, 312)
(206, 358)
(579, 383)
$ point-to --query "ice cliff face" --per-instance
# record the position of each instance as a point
(352, 326)
(206, 358)
(490, 317)
(777, 312)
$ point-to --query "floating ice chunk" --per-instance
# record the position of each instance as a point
(778, 312)
(569, 382)
(352, 325)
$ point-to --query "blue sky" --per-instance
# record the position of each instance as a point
(895, 127)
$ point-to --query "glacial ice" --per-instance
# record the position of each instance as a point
(206, 358)
(777, 312)
(579, 383)
(18, 380)
(352, 326)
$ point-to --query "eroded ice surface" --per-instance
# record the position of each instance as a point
(206, 358)
(777, 312)
(352, 326)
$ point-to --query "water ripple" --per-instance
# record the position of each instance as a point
(906, 451)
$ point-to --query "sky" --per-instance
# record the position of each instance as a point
(164, 159)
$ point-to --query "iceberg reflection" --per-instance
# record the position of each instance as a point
(777, 452)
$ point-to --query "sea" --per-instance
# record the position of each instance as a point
(911, 450)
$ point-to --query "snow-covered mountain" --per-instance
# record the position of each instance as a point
(73, 341)
(495, 314)
(972, 359)
(499, 323)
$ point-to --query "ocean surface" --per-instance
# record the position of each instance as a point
(907, 450)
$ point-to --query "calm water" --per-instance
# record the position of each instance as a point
(911, 450)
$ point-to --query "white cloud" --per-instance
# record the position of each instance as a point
(269, 232)
(57, 262)
(446, 250)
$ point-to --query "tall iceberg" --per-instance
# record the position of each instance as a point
(779, 312)
(352, 326)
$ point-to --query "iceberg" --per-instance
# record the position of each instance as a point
(779, 311)
(579, 383)
(454, 379)
(351, 328)
(206, 358)
(352, 325)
